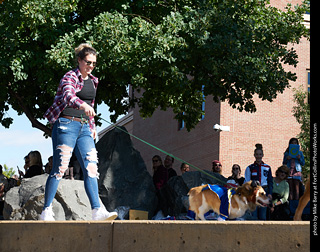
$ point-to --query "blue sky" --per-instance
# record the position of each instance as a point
(21, 138)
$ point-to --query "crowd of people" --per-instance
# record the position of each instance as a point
(287, 185)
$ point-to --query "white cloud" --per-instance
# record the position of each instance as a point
(18, 138)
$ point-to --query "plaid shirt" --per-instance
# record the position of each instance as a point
(69, 85)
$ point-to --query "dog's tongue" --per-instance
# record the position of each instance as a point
(263, 204)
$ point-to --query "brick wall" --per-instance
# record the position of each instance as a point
(272, 125)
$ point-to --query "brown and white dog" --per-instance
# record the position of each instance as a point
(246, 197)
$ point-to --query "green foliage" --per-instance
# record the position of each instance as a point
(8, 172)
(302, 114)
(166, 50)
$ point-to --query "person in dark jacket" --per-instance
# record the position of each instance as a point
(35, 165)
(160, 173)
(168, 162)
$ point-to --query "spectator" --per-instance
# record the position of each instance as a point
(160, 173)
(294, 164)
(76, 168)
(35, 167)
(216, 166)
(12, 182)
(280, 195)
(184, 168)
(26, 163)
(48, 166)
(3, 185)
(261, 172)
(168, 162)
(69, 173)
(235, 179)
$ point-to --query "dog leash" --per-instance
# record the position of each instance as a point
(165, 152)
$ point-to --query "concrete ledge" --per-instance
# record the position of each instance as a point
(161, 236)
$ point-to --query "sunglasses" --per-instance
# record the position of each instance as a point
(155, 161)
(88, 63)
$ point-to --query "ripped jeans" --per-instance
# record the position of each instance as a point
(69, 136)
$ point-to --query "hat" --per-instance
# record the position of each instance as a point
(216, 162)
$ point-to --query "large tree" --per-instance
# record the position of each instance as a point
(173, 53)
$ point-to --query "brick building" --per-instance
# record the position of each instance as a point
(272, 125)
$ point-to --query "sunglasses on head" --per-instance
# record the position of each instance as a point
(88, 63)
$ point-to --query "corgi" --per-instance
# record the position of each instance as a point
(228, 203)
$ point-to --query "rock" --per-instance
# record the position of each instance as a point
(124, 179)
(26, 201)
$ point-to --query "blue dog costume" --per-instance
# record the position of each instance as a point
(224, 195)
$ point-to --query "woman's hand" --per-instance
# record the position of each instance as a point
(88, 110)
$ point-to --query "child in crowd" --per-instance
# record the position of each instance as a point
(295, 165)
(261, 172)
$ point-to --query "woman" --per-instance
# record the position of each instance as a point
(72, 117)
(235, 179)
(294, 164)
(261, 172)
(34, 165)
(160, 173)
(280, 195)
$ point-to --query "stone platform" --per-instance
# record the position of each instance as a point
(128, 236)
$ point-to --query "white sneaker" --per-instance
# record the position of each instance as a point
(47, 214)
(102, 214)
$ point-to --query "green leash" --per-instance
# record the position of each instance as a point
(167, 153)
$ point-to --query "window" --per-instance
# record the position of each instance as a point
(181, 123)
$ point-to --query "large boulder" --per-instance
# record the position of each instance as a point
(124, 179)
(26, 201)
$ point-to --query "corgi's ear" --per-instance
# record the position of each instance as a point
(255, 183)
